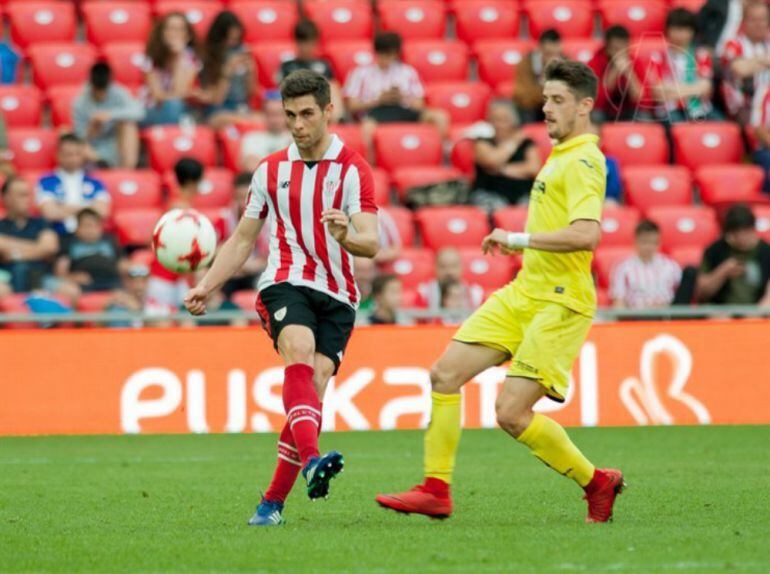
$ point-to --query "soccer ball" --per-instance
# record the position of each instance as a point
(184, 240)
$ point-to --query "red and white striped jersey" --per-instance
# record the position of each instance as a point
(640, 285)
(748, 94)
(292, 195)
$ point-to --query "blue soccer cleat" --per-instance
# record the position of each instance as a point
(268, 514)
(319, 471)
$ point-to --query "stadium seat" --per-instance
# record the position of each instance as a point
(94, 302)
(762, 213)
(686, 226)
(539, 134)
(266, 20)
(413, 266)
(637, 16)
(199, 13)
(581, 49)
(411, 298)
(706, 143)
(341, 19)
(116, 21)
(39, 22)
(347, 55)
(351, 135)
(452, 226)
(465, 102)
(32, 148)
(61, 99)
(132, 188)
(606, 259)
(487, 271)
(20, 106)
(463, 155)
(512, 218)
(127, 61)
(404, 222)
(618, 226)
(403, 145)
(407, 177)
(635, 143)
(216, 189)
(167, 144)
(687, 256)
(497, 59)
(135, 226)
(269, 58)
(656, 186)
(229, 139)
(571, 18)
(691, 5)
(485, 19)
(381, 187)
(246, 299)
(438, 60)
(413, 19)
(725, 184)
(61, 64)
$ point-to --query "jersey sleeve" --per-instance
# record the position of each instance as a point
(359, 189)
(256, 201)
(585, 182)
(45, 191)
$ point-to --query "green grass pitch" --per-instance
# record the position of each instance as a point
(698, 501)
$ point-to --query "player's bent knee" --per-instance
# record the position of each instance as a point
(298, 348)
(444, 381)
(511, 418)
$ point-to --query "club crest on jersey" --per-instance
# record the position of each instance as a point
(331, 186)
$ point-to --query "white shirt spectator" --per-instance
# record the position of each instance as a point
(638, 284)
(262, 144)
(367, 83)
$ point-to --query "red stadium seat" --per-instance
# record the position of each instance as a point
(127, 61)
(571, 18)
(413, 266)
(132, 188)
(116, 21)
(229, 139)
(762, 213)
(498, 59)
(637, 16)
(266, 20)
(581, 49)
(488, 271)
(725, 184)
(465, 102)
(413, 19)
(618, 226)
(32, 148)
(513, 218)
(403, 145)
(687, 256)
(484, 19)
(199, 13)
(381, 187)
(539, 134)
(346, 56)
(135, 226)
(452, 226)
(408, 177)
(404, 222)
(33, 22)
(341, 19)
(94, 302)
(635, 143)
(706, 143)
(168, 144)
(657, 186)
(351, 135)
(216, 189)
(691, 5)
(269, 58)
(61, 64)
(688, 226)
(246, 299)
(20, 106)
(61, 99)
(463, 155)
(606, 259)
(438, 60)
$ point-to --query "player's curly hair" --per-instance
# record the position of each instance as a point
(580, 79)
(306, 83)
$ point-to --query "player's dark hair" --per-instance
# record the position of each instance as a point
(580, 79)
(381, 282)
(306, 83)
(616, 32)
(243, 178)
(681, 18)
(100, 76)
(306, 31)
(387, 43)
(738, 218)
(88, 212)
(69, 137)
(188, 170)
(646, 226)
(549, 36)
(8, 183)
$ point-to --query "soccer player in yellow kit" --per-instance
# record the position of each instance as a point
(540, 320)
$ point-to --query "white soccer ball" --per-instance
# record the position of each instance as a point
(184, 240)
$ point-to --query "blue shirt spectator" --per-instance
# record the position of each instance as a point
(614, 190)
(9, 64)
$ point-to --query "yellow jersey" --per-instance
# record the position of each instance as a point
(570, 186)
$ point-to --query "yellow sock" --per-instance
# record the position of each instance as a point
(549, 442)
(442, 436)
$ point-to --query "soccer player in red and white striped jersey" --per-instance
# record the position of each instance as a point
(318, 197)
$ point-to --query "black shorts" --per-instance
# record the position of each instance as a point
(330, 320)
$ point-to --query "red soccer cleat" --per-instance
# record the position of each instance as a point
(420, 500)
(601, 492)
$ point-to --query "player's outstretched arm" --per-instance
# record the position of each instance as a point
(363, 240)
(581, 235)
(229, 259)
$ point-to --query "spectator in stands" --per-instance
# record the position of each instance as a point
(386, 293)
(6, 157)
(133, 297)
(620, 88)
(90, 258)
(389, 90)
(27, 243)
(173, 69)
(63, 193)
(528, 90)
(718, 21)
(613, 193)
(449, 267)
(106, 116)
(365, 271)
(216, 302)
(188, 172)
(506, 163)
(680, 79)
(391, 241)
(9, 64)
(227, 74)
(736, 268)
(453, 302)
(648, 279)
(259, 144)
(307, 39)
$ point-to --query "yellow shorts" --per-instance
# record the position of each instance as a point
(542, 338)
